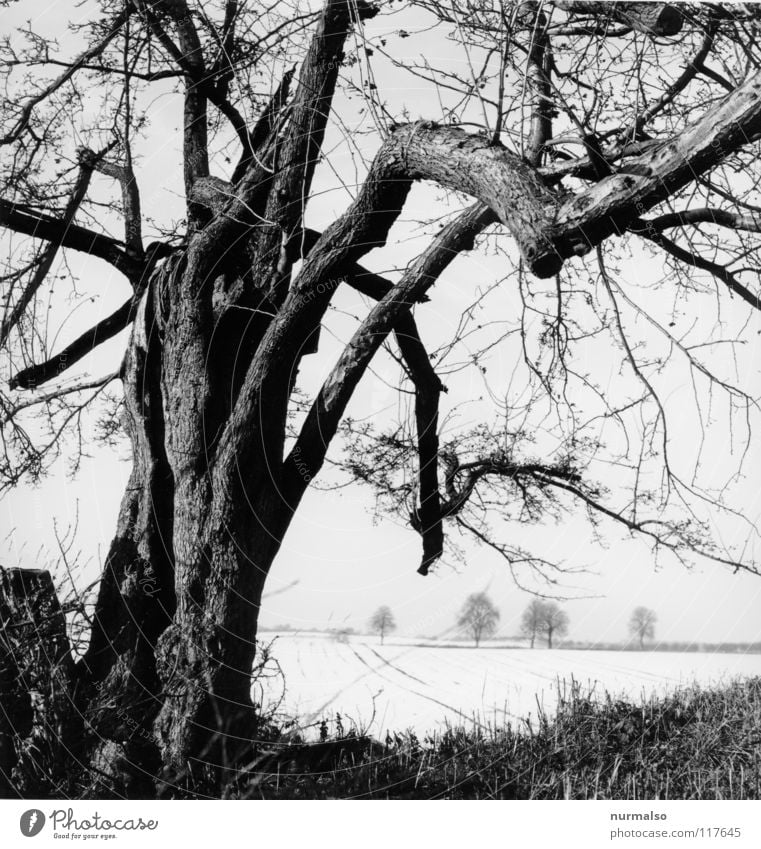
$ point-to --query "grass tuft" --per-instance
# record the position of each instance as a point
(694, 744)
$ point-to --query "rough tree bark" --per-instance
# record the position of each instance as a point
(651, 18)
(219, 328)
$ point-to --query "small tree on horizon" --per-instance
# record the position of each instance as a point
(532, 619)
(642, 624)
(478, 617)
(382, 622)
(553, 621)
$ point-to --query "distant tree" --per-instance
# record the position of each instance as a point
(383, 622)
(642, 624)
(532, 619)
(478, 617)
(553, 621)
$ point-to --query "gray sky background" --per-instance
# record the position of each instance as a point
(337, 564)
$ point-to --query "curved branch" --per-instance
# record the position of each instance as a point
(512, 190)
(663, 534)
(669, 538)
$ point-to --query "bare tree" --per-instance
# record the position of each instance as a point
(478, 617)
(582, 133)
(642, 624)
(382, 622)
(531, 621)
(553, 621)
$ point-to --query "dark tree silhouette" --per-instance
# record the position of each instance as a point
(583, 134)
(382, 622)
(478, 617)
(642, 624)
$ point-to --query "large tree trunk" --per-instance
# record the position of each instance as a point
(165, 682)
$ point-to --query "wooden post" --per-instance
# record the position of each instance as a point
(36, 672)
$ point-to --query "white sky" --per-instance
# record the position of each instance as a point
(336, 565)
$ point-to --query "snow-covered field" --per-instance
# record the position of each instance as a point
(406, 686)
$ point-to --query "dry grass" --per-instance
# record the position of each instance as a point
(695, 744)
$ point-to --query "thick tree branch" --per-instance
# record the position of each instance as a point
(538, 79)
(582, 167)
(611, 205)
(310, 109)
(650, 18)
(426, 518)
(125, 176)
(704, 215)
(546, 233)
(264, 127)
(49, 251)
(222, 70)
(30, 222)
(189, 57)
(302, 144)
(503, 181)
(322, 421)
(35, 375)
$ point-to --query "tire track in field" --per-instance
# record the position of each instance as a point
(371, 671)
(467, 717)
(396, 668)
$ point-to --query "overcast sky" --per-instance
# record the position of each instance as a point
(337, 564)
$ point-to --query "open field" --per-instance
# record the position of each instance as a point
(403, 685)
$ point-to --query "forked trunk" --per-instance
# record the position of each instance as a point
(165, 683)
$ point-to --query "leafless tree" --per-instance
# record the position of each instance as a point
(479, 617)
(553, 621)
(642, 624)
(586, 135)
(532, 619)
(383, 622)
